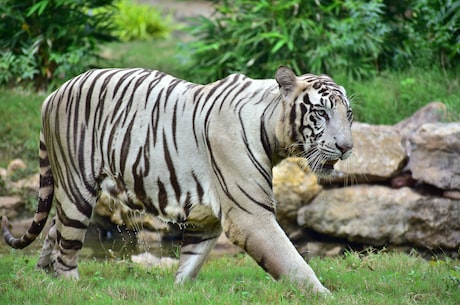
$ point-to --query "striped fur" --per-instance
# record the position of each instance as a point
(188, 153)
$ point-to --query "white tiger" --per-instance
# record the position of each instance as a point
(188, 153)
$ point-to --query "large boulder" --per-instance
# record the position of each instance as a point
(294, 186)
(433, 112)
(379, 215)
(377, 154)
(435, 155)
(10, 206)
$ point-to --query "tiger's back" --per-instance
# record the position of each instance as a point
(185, 152)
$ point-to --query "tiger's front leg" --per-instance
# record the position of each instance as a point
(259, 234)
(198, 241)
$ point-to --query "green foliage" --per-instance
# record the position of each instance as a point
(20, 127)
(19, 66)
(355, 278)
(393, 96)
(139, 22)
(356, 36)
(48, 40)
(423, 32)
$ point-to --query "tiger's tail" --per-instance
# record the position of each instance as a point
(45, 194)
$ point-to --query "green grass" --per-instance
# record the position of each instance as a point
(382, 278)
(394, 96)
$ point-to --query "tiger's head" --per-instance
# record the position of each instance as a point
(317, 119)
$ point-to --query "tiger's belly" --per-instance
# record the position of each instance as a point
(190, 211)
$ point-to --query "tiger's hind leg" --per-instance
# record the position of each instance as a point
(198, 242)
(45, 260)
(68, 234)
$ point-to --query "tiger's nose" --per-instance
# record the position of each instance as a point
(344, 147)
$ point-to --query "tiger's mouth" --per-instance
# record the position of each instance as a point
(328, 165)
(325, 167)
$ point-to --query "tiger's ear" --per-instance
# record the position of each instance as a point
(287, 80)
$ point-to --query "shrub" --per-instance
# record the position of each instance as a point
(44, 40)
(422, 32)
(139, 22)
(321, 37)
(359, 37)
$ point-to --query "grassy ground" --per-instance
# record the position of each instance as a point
(381, 278)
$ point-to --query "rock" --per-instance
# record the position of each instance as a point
(435, 155)
(377, 154)
(431, 113)
(3, 174)
(315, 248)
(452, 194)
(379, 215)
(30, 183)
(434, 222)
(15, 165)
(293, 187)
(9, 206)
(148, 260)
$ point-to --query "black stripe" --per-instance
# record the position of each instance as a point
(162, 196)
(190, 253)
(82, 157)
(138, 175)
(199, 188)
(196, 99)
(220, 177)
(172, 172)
(44, 204)
(150, 207)
(35, 228)
(69, 244)
(229, 88)
(99, 110)
(187, 204)
(46, 180)
(174, 126)
(125, 146)
(259, 203)
(153, 83)
(89, 94)
(265, 140)
(66, 221)
(146, 151)
(241, 89)
(156, 116)
(196, 238)
(59, 259)
(170, 88)
(260, 167)
(116, 115)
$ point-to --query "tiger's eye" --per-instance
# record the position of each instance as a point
(322, 113)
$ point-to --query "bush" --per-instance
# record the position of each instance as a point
(359, 37)
(423, 32)
(48, 40)
(139, 22)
